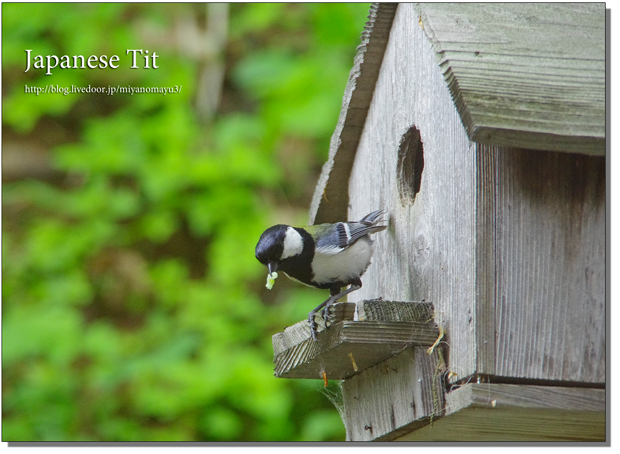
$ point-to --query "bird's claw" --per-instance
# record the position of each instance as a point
(313, 326)
(312, 321)
(326, 314)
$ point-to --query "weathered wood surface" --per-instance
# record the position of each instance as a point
(506, 412)
(509, 244)
(540, 258)
(360, 337)
(528, 75)
(396, 395)
(522, 75)
(429, 250)
(498, 395)
(329, 196)
(550, 265)
(486, 182)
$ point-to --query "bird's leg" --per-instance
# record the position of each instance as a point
(335, 298)
(311, 316)
(325, 306)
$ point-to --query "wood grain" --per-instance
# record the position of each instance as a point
(529, 75)
(550, 266)
(356, 341)
(393, 395)
(508, 243)
(505, 412)
(498, 395)
(486, 183)
(330, 201)
(429, 250)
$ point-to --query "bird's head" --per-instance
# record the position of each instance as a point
(278, 243)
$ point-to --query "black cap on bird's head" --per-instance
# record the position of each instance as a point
(271, 246)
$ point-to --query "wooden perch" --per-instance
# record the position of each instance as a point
(361, 335)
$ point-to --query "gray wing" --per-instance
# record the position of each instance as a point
(337, 237)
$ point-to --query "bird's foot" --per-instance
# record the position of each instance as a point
(327, 316)
(325, 305)
(324, 313)
(313, 326)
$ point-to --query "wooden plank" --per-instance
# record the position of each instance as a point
(508, 412)
(395, 311)
(486, 183)
(528, 75)
(498, 395)
(508, 243)
(550, 249)
(429, 250)
(358, 340)
(396, 393)
(542, 266)
(330, 197)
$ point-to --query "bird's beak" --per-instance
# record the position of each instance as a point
(272, 266)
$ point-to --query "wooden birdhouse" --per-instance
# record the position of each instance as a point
(480, 129)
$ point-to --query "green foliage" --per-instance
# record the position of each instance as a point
(133, 307)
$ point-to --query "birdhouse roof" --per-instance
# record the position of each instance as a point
(526, 75)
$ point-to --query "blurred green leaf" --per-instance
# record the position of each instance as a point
(133, 306)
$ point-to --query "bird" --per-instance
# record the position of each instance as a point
(324, 256)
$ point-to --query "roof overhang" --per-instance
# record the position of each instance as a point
(525, 75)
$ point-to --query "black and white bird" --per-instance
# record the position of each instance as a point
(325, 256)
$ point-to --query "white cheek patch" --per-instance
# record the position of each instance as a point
(293, 243)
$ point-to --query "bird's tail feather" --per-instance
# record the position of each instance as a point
(375, 218)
